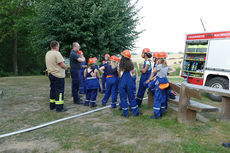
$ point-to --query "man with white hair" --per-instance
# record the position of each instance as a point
(75, 71)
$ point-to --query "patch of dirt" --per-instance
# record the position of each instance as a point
(29, 146)
(130, 141)
(164, 135)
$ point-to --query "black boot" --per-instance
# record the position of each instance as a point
(155, 117)
(93, 105)
(225, 144)
(79, 102)
(60, 108)
(52, 106)
(139, 114)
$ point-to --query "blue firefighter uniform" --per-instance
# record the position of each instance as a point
(92, 84)
(111, 85)
(75, 71)
(160, 96)
(144, 77)
(96, 67)
(126, 88)
(103, 79)
(82, 88)
(160, 88)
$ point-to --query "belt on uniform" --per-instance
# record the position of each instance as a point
(109, 76)
(89, 78)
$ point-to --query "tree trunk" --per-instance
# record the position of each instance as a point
(15, 61)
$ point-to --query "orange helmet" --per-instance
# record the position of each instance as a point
(118, 59)
(155, 54)
(91, 61)
(161, 55)
(113, 58)
(126, 53)
(80, 52)
(107, 55)
(146, 50)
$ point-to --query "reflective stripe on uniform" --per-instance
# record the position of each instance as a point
(162, 107)
(89, 78)
(60, 101)
(125, 108)
(93, 101)
(156, 108)
(139, 98)
(109, 76)
(134, 107)
(52, 100)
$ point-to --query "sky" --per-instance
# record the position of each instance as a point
(166, 22)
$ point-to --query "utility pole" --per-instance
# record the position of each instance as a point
(202, 24)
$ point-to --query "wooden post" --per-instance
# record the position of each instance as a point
(1, 93)
(184, 114)
(150, 99)
(225, 111)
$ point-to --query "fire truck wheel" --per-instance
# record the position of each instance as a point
(217, 82)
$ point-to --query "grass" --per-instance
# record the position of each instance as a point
(25, 104)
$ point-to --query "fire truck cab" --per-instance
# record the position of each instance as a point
(207, 60)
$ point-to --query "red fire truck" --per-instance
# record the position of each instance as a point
(207, 60)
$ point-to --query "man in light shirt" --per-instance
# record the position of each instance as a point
(56, 72)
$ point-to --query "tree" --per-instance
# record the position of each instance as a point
(14, 16)
(100, 26)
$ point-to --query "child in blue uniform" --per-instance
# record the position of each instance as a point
(103, 79)
(146, 72)
(111, 81)
(96, 67)
(160, 84)
(92, 83)
(126, 85)
(82, 89)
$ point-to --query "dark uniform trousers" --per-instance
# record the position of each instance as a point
(57, 87)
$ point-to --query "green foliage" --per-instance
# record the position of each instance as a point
(100, 26)
(15, 17)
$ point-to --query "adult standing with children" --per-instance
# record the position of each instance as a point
(75, 71)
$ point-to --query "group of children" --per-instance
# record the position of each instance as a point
(120, 76)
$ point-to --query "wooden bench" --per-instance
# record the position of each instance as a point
(225, 109)
(187, 109)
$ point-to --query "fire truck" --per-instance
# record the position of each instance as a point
(207, 60)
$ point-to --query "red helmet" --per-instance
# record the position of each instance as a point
(107, 55)
(155, 54)
(126, 53)
(80, 52)
(113, 58)
(146, 50)
(91, 61)
(162, 55)
(95, 58)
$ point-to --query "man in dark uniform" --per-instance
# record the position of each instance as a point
(75, 71)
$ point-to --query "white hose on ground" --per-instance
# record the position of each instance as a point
(53, 122)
